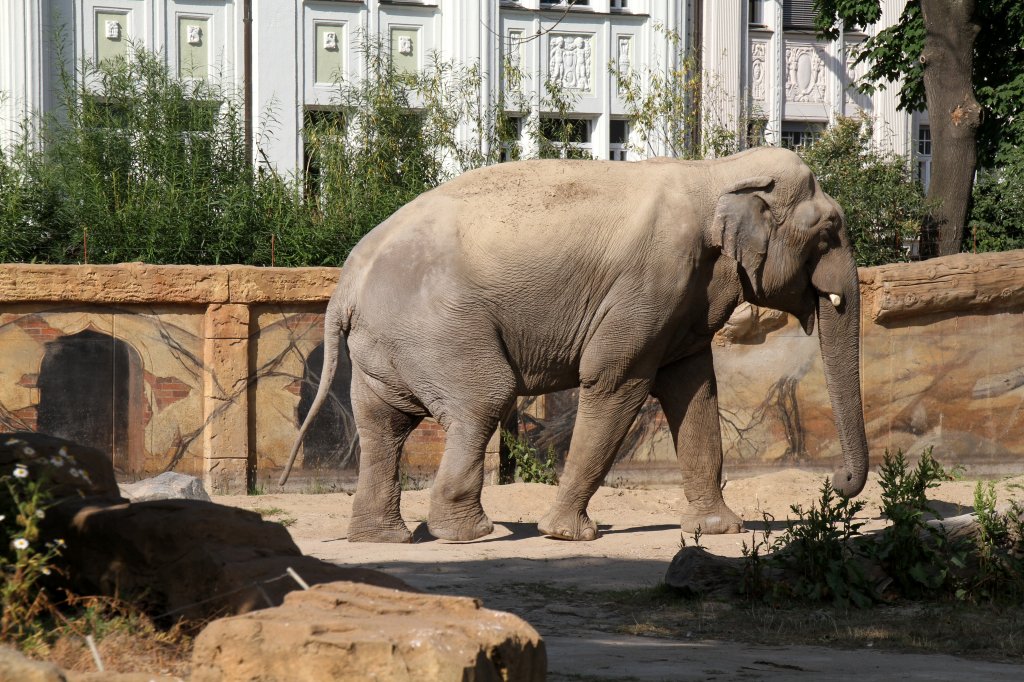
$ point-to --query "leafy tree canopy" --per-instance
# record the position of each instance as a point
(894, 55)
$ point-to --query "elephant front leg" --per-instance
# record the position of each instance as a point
(689, 397)
(602, 420)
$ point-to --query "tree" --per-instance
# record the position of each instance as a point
(974, 91)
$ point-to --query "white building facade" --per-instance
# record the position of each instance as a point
(761, 57)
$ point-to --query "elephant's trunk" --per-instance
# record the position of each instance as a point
(839, 334)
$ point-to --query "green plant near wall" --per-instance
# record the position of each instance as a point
(883, 203)
(528, 465)
(27, 557)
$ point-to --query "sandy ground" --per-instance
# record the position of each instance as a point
(515, 569)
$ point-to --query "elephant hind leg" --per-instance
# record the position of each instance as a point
(383, 429)
(689, 397)
(456, 512)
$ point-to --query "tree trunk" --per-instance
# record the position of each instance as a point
(954, 115)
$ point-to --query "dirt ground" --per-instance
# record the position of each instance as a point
(562, 588)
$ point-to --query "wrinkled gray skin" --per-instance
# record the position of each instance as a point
(526, 278)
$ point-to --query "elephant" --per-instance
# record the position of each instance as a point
(536, 276)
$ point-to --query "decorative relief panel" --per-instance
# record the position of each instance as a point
(110, 35)
(624, 56)
(512, 66)
(805, 74)
(328, 59)
(569, 60)
(193, 54)
(854, 99)
(759, 71)
(404, 49)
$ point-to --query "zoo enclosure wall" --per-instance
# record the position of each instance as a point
(209, 370)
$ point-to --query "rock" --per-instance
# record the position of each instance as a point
(696, 571)
(73, 469)
(170, 485)
(188, 558)
(347, 631)
(14, 667)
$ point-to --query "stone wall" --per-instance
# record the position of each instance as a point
(210, 370)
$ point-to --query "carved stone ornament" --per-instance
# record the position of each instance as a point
(569, 61)
(623, 57)
(113, 30)
(195, 35)
(405, 45)
(758, 70)
(805, 74)
(331, 41)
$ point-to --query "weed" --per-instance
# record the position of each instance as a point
(26, 557)
(912, 552)
(529, 467)
(268, 511)
(816, 549)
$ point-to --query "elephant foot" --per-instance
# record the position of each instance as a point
(459, 527)
(366, 529)
(567, 525)
(717, 522)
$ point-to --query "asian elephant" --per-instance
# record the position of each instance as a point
(531, 277)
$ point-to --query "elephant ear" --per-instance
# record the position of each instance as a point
(742, 225)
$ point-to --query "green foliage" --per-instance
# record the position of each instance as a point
(662, 105)
(816, 549)
(893, 55)
(911, 551)
(26, 556)
(996, 222)
(821, 556)
(883, 203)
(528, 465)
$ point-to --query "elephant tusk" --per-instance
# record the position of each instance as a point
(836, 299)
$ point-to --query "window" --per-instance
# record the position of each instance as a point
(618, 139)
(797, 135)
(510, 132)
(924, 155)
(565, 138)
(756, 10)
(323, 132)
(755, 132)
(798, 14)
(620, 4)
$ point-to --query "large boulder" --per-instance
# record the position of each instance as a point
(345, 631)
(170, 485)
(14, 667)
(73, 469)
(188, 558)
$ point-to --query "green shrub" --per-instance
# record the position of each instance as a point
(527, 465)
(884, 204)
(996, 222)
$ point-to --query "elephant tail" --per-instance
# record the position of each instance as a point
(337, 322)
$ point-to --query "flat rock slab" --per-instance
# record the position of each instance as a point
(170, 485)
(348, 631)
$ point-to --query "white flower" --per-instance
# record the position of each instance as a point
(74, 472)
(20, 543)
(63, 452)
(2, 517)
(28, 450)
(59, 542)
(40, 514)
(13, 441)
(44, 570)
(57, 462)
(20, 471)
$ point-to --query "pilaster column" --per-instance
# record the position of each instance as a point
(226, 398)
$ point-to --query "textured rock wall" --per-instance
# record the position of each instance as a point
(215, 367)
